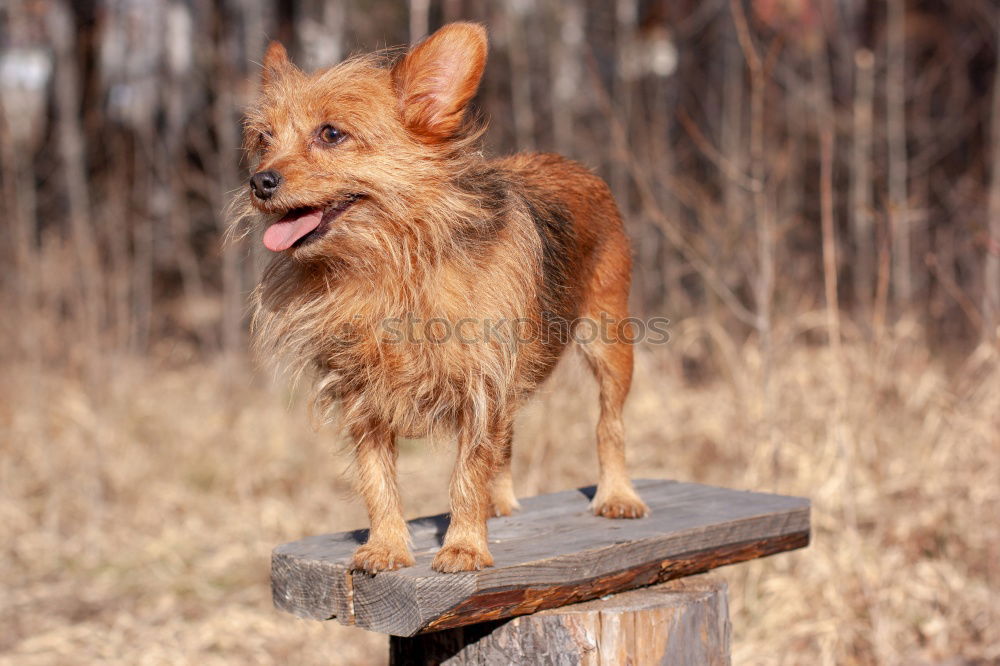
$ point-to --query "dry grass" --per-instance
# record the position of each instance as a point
(136, 520)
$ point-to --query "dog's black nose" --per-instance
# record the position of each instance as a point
(264, 183)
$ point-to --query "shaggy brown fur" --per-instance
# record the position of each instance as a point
(384, 214)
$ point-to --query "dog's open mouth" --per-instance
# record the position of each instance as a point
(300, 226)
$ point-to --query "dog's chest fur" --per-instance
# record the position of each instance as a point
(419, 354)
(411, 374)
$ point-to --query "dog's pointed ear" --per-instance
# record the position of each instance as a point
(276, 63)
(438, 77)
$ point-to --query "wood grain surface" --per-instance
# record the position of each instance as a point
(552, 553)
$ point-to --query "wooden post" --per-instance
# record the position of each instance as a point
(681, 622)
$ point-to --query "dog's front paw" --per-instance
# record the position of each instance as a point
(619, 504)
(375, 557)
(461, 557)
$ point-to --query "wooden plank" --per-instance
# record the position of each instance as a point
(552, 553)
(683, 621)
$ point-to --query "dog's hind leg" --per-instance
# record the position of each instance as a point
(608, 350)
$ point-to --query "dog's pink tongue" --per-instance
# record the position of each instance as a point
(285, 232)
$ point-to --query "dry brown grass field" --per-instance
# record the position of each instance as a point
(136, 519)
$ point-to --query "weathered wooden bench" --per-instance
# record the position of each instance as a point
(554, 554)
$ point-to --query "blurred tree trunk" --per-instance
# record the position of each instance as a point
(19, 189)
(26, 74)
(665, 273)
(72, 153)
(226, 124)
(826, 130)
(451, 10)
(419, 21)
(116, 207)
(169, 157)
(320, 29)
(623, 86)
(763, 227)
(731, 128)
(895, 88)
(141, 213)
(991, 272)
(516, 24)
(566, 79)
(861, 180)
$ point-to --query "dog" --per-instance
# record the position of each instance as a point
(429, 289)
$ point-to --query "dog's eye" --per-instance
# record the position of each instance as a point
(263, 141)
(331, 135)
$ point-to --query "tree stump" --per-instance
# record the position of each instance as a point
(681, 622)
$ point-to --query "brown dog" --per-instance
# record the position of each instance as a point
(431, 290)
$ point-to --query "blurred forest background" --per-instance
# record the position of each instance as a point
(813, 192)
